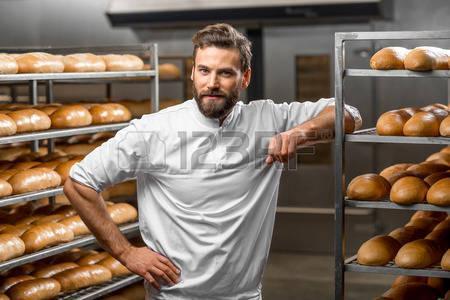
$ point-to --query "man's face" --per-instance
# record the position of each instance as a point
(218, 80)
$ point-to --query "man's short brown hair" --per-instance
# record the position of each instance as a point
(224, 36)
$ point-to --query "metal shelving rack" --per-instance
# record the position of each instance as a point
(343, 265)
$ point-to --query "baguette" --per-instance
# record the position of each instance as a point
(426, 59)
(40, 236)
(63, 169)
(389, 58)
(9, 282)
(33, 180)
(7, 125)
(76, 225)
(30, 119)
(83, 62)
(8, 64)
(35, 289)
(51, 270)
(10, 246)
(122, 213)
(92, 259)
(368, 187)
(25, 165)
(439, 156)
(5, 188)
(82, 277)
(116, 268)
(402, 279)
(39, 62)
(125, 62)
(49, 219)
(70, 116)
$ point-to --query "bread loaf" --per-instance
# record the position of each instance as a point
(120, 113)
(51, 270)
(79, 149)
(48, 109)
(49, 219)
(445, 261)
(378, 251)
(392, 122)
(11, 154)
(92, 259)
(437, 215)
(435, 177)
(412, 291)
(418, 254)
(66, 211)
(439, 156)
(427, 224)
(9, 282)
(33, 180)
(50, 164)
(17, 230)
(8, 64)
(63, 169)
(109, 113)
(439, 193)
(35, 289)
(30, 120)
(116, 268)
(411, 110)
(389, 58)
(40, 236)
(425, 169)
(126, 62)
(444, 224)
(402, 279)
(426, 59)
(408, 190)
(444, 128)
(122, 213)
(368, 187)
(70, 116)
(83, 62)
(39, 62)
(407, 234)
(82, 277)
(5, 188)
(7, 125)
(28, 220)
(10, 246)
(169, 72)
(422, 124)
(395, 172)
(76, 225)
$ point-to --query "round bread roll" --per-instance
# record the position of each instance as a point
(389, 58)
(410, 291)
(63, 169)
(39, 62)
(75, 224)
(122, 213)
(51, 270)
(70, 116)
(116, 268)
(444, 128)
(378, 251)
(407, 234)
(418, 254)
(392, 122)
(137, 108)
(402, 279)
(35, 289)
(426, 59)
(439, 156)
(40, 236)
(10, 246)
(9, 282)
(34, 180)
(435, 177)
(125, 62)
(81, 277)
(83, 62)
(30, 120)
(408, 190)
(368, 187)
(439, 193)
(8, 64)
(5, 188)
(92, 259)
(422, 124)
(445, 261)
(426, 224)
(395, 172)
(7, 125)
(169, 72)
(425, 169)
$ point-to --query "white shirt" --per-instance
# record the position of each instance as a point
(206, 198)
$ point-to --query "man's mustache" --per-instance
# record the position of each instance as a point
(212, 93)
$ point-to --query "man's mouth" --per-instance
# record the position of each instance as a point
(212, 96)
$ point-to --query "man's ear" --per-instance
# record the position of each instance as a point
(246, 78)
(192, 72)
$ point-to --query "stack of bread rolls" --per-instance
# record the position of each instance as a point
(423, 58)
(407, 183)
(432, 120)
(414, 287)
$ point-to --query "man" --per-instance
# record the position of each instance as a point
(207, 178)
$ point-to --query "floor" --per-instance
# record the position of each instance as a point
(310, 277)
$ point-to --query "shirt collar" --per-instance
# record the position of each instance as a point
(211, 122)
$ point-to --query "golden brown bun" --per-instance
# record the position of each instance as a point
(444, 128)
(444, 224)
(70, 116)
(122, 213)
(435, 177)
(411, 110)
(368, 187)
(378, 251)
(126, 62)
(402, 279)
(109, 113)
(437, 215)
(51, 270)
(426, 59)
(445, 150)
(445, 261)
(35, 289)
(422, 124)
(439, 193)
(169, 72)
(5, 188)
(39, 62)
(425, 169)
(411, 291)
(120, 113)
(407, 234)
(63, 169)
(408, 190)
(8, 64)
(439, 156)
(82, 277)
(9, 282)
(441, 237)
(10, 246)
(40, 236)
(75, 224)
(438, 284)
(395, 172)
(392, 122)
(83, 62)
(7, 125)
(30, 120)
(92, 259)
(112, 264)
(418, 254)
(33, 180)
(427, 224)
(389, 58)
(137, 108)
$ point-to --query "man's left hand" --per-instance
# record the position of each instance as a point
(283, 146)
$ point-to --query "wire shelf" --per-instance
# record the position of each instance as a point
(26, 197)
(370, 136)
(386, 204)
(396, 73)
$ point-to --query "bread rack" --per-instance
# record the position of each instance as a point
(343, 265)
(149, 51)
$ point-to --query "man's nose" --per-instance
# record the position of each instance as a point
(213, 81)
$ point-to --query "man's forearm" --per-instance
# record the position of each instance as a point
(92, 209)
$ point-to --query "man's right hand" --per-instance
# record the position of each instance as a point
(153, 266)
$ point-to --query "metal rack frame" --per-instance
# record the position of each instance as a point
(368, 136)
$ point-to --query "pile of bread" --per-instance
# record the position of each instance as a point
(431, 120)
(418, 59)
(41, 62)
(417, 288)
(407, 183)
(64, 273)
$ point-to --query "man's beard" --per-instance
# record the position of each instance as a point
(215, 109)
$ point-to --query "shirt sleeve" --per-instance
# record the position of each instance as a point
(118, 159)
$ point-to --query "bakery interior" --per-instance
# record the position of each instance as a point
(295, 59)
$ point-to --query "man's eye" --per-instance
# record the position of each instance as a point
(203, 71)
(226, 74)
